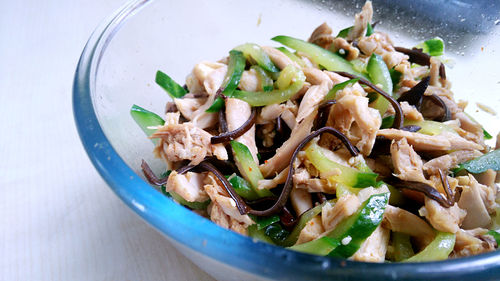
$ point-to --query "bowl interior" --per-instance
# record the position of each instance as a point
(173, 36)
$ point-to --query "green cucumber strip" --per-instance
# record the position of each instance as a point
(439, 249)
(145, 119)
(318, 55)
(487, 135)
(402, 246)
(257, 53)
(303, 219)
(495, 235)
(179, 199)
(235, 68)
(259, 234)
(216, 106)
(266, 82)
(292, 56)
(263, 222)
(340, 86)
(354, 230)
(286, 77)
(242, 187)
(276, 233)
(321, 246)
(379, 75)
(248, 168)
(490, 160)
(429, 127)
(433, 47)
(274, 96)
(349, 176)
(395, 77)
(387, 122)
(369, 29)
(168, 84)
(344, 32)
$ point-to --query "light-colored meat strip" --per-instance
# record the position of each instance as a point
(280, 178)
(322, 36)
(471, 201)
(342, 44)
(189, 186)
(278, 57)
(374, 248)
(237, 113)
(311, 231)
(448, 161)
(400, 220)
(380, 44)
(317, 77)
(332, 215)
(301, 200)
(407, 163)
(283, 154)
(410, 112)
(442, 219)
(218, 216)
(361, 20)
(249, 81)
(312, 98)
(472, 242)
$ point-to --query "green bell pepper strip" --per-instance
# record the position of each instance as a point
(173, 89)
(248, 168)
(242, 187)
(320, 56)
(321, 246)
(332, 94)
(235, 68)
(274, 96)
(434, 47)
(348, 176)
(402, 246)
(292, 56)
(379, 75)
(439, 249)
(145, 119)
(256, 53)
(353, 231)
(490, 160)
(192, 205)
(266, 82)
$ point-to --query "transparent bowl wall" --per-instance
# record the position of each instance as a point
(118, 66)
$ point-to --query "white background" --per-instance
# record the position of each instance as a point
(58, 218)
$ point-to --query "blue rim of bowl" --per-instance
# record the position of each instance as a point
(207, 238)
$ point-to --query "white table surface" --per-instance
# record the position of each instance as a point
(58, 218)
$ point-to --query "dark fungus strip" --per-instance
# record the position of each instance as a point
(287, 188)
(150, 176)
(321, 197)
(323, 112)
(399, 117)
(287, 219)
(415, 95)
(222, 121)
(437, 100)
(229, 136)
(417, 56)
(424, 188)
(446, 186)
(411, 128)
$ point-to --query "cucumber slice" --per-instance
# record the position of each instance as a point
(439, 249)
(318, 55)
(146, 119)
(168, 84)
(379, 75)
(348, 176)
(321, 246)
(354, 230)
(256, 53)
(248, 168)
(429, 127)
(402, 246)
(292, 56)
(242, 187)
(340, 86)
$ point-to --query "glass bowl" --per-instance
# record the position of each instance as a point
(117, 69)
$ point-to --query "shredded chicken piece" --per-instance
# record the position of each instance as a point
(444, 141)
(478, 200)
(449, 161)
(311, 231)
(218, 216)
(322, 36)
(218, 195)
(342, 44)
(407, 163)
(380, 44)
(237, 113)
(332, 215)
(250, 81)
(282, 157)
(186, 142)
(313, 97)
(280, 178)
(317, 77)
(189, 186)
(443, 219)
(410, 112)
(374, 248)
(400, 220)
(301, 200)
(361, 20)
(270, 112)
(278, 58)
(472, 242)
